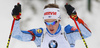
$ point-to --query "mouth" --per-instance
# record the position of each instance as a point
(51, 30)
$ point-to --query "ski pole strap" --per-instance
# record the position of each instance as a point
(83, 23)
(33, 35)
(80, 33)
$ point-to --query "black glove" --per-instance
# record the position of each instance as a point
(16, 12)
(71, 11)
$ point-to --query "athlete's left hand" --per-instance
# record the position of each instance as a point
(71, 11)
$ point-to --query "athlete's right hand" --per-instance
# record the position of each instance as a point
(16, 12)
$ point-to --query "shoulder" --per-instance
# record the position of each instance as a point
(38, 32)
(70, 29)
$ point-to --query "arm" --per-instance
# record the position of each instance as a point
(16, 13)
(30, 35)
(84, 28)
(82, 25)
(36, 35)
(71, 32)
(18, 34)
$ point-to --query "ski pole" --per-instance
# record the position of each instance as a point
(10, 33)
(80, 33)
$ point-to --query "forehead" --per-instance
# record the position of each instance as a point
(50, 20)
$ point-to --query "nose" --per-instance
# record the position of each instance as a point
(51, 26)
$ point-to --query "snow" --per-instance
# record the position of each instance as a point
(31, 19)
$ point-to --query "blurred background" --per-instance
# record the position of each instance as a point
(32, 17)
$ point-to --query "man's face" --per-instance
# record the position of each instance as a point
(52, 28)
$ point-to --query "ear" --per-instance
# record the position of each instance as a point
(59, 21)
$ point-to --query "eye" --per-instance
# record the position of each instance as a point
(45, 22)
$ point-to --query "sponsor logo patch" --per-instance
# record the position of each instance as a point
(39, 31)
(50, 13)
(53, 44)
(73, 28)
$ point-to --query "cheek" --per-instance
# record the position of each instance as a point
(47, 26)
(56, 25)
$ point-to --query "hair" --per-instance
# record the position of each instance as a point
(51, 6)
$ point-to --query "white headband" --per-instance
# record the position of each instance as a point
(51, 13)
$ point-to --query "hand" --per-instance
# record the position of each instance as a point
(71, 11)
(16, 12)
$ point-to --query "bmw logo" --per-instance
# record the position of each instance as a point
(53, 44)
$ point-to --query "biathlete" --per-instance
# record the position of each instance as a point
(54, 35)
